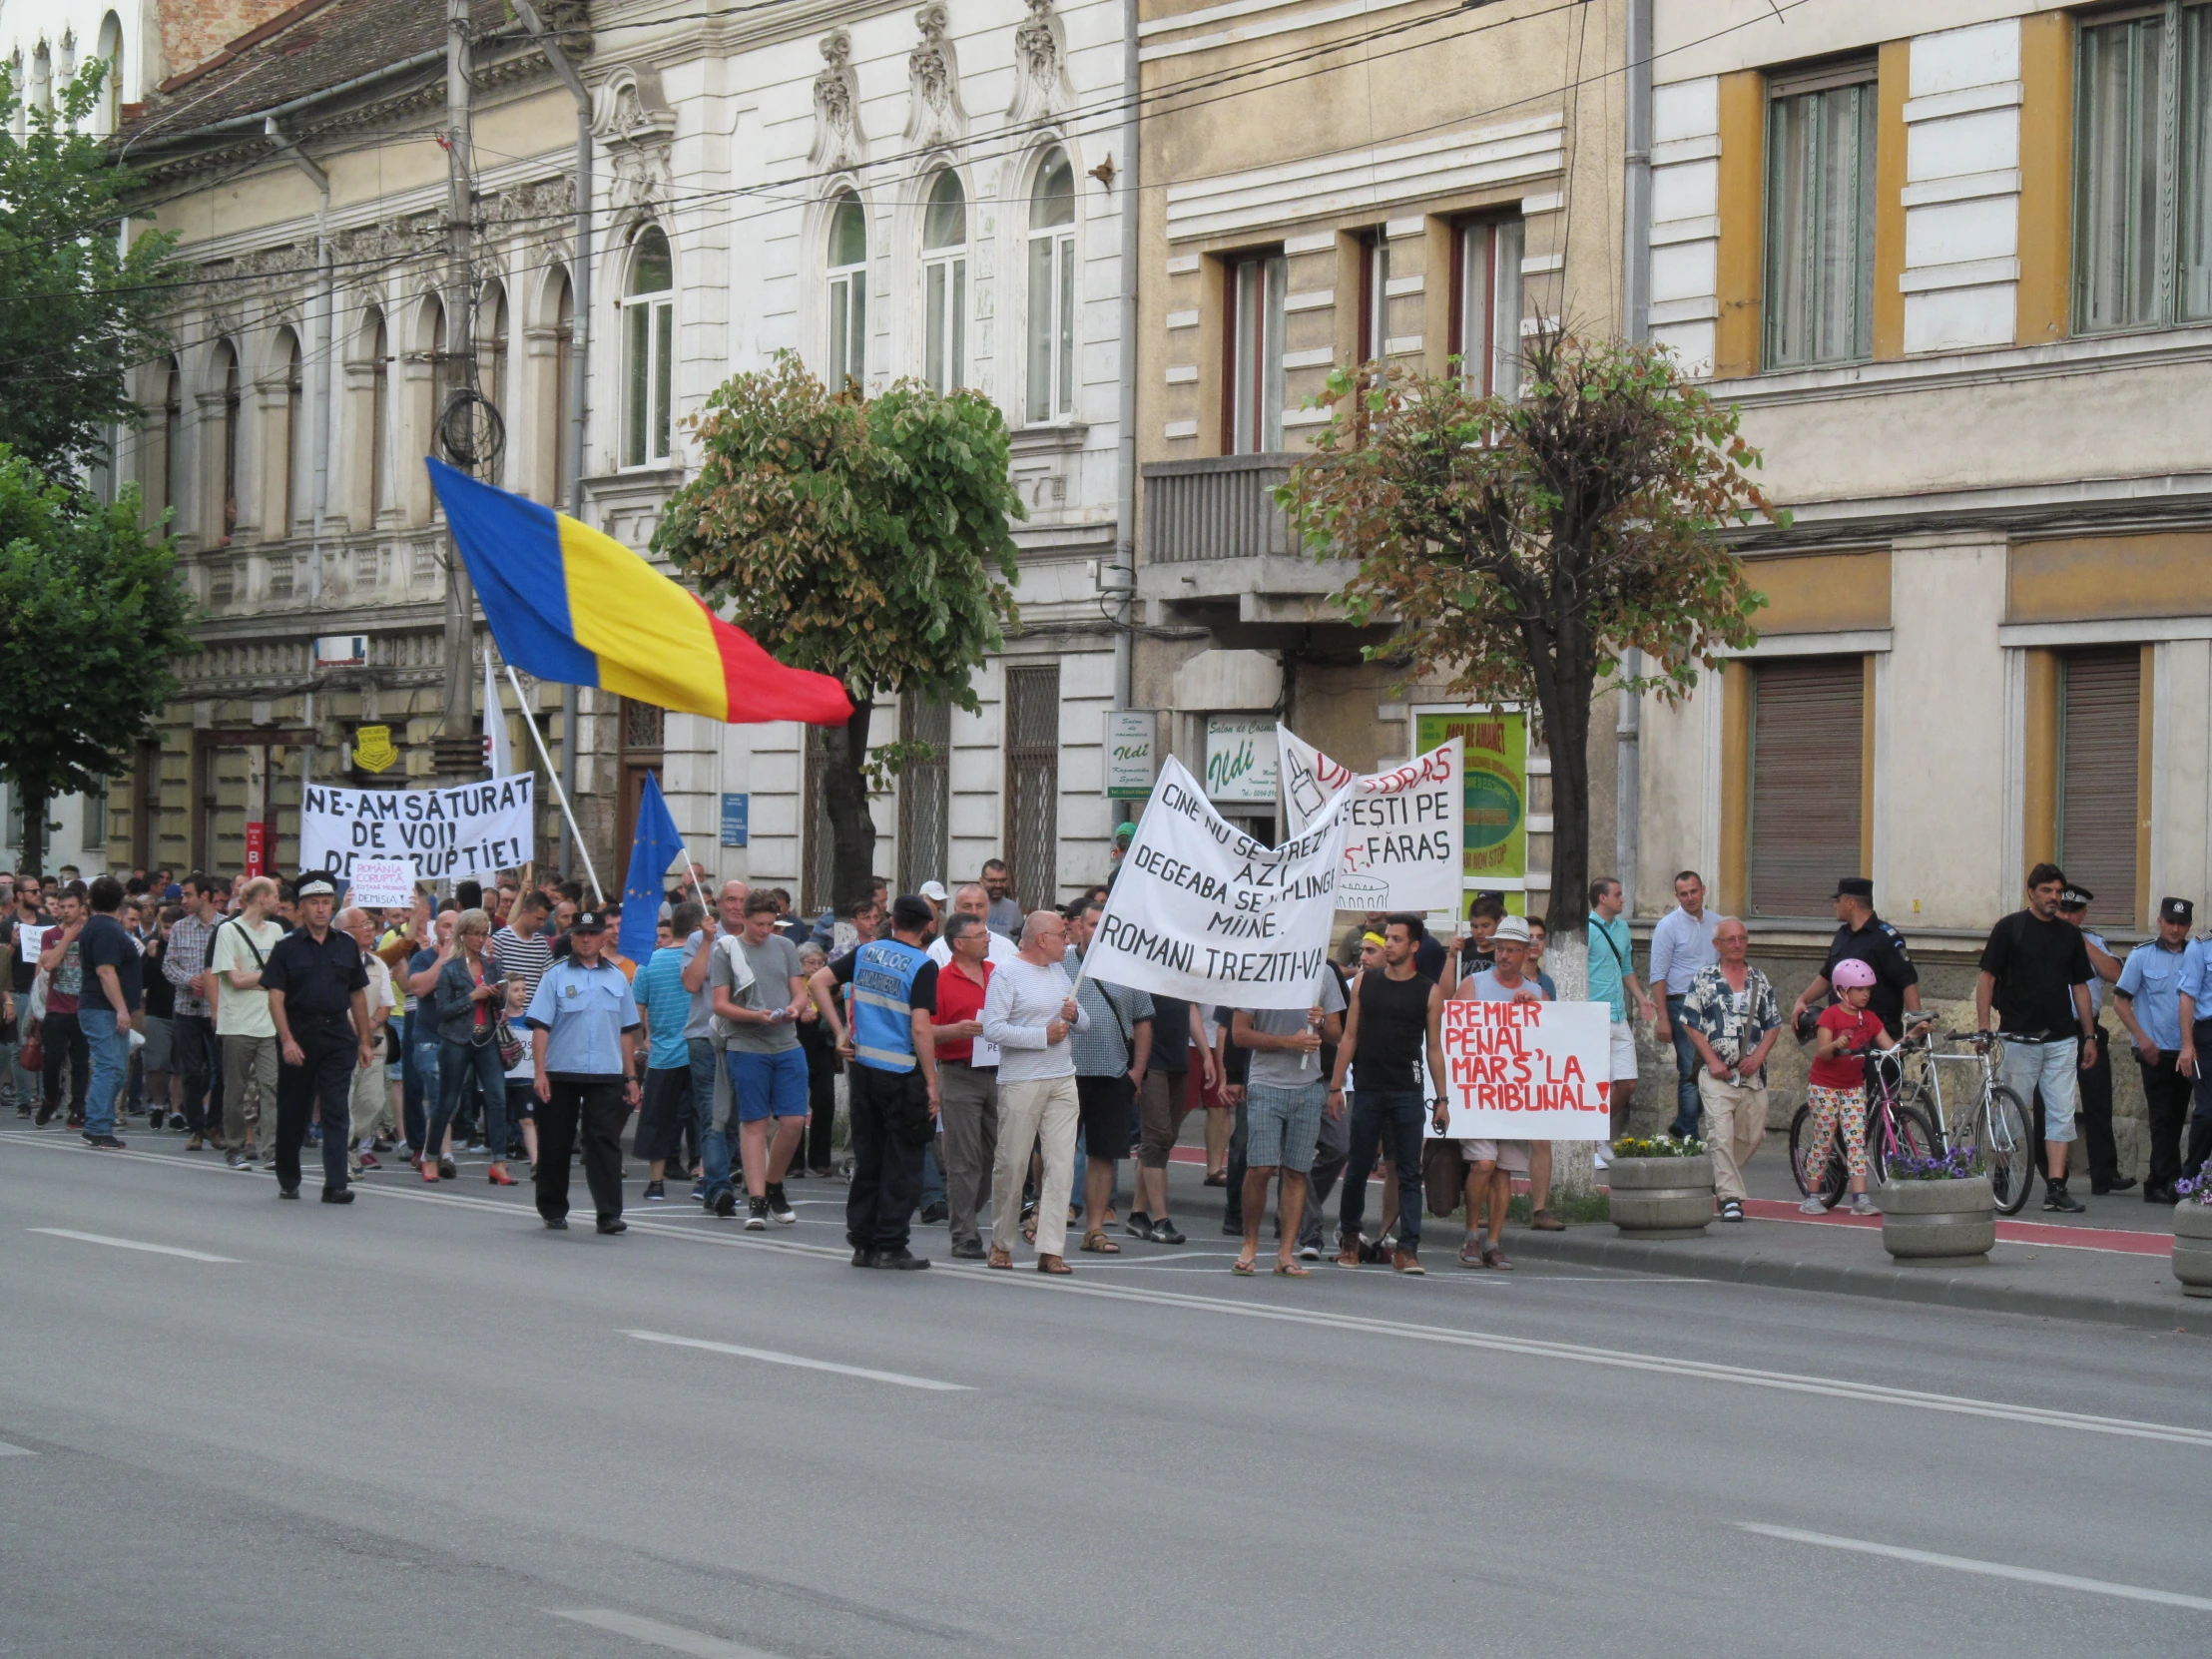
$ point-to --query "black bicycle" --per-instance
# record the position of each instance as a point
(1895, 1131)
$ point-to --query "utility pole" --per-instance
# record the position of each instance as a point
(458, 753)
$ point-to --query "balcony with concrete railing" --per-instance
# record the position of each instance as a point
(1216, 541)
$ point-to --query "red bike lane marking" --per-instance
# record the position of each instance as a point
(2108, 1239)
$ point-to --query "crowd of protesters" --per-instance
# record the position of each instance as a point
(988, 1076)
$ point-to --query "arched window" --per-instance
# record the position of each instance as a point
(491, 362)
(286, 495)
(1051, 318)
(556, 466)
(226, 377)
(380, 414)
(944, 284)
(649, 349)
(110, 52)
(848, 292)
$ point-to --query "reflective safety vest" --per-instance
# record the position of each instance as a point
(882, 1019)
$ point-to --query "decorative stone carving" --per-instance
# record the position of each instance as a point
(838, 142)
(635, 126)
(1041, 85)
(933, 114)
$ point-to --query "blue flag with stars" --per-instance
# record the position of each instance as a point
(652, 850)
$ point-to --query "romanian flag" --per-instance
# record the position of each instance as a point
(567, 603)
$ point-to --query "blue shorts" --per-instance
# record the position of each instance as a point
(769, 1085)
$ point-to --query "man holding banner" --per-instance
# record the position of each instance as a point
(1491, 1161)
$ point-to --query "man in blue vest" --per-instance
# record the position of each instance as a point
(890, 1044)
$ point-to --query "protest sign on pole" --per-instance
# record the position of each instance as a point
(1203, 912)
(382, 883)
(1527, 1071)
(1402, 852)
(468, 830)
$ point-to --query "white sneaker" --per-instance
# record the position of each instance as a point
(1811, 1207)
(1598, 1158)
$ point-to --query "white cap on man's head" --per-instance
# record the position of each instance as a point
(1511, 931)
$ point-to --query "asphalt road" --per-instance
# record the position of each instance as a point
(424, 1425)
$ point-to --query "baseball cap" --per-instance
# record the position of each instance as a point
(934, 890)
(1124, 833)
(589, 922)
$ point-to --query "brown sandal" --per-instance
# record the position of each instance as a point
(1028, 1232)
(1000, 1258)
(1053, 1263)
(1291, 1270)
(1100, 1244)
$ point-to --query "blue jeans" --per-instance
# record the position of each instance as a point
(1391, 1120)
(111, 1063)
(932, 1177)
(458, 1063)
(714, 1120)
(1687, 1105)
(424, 1051)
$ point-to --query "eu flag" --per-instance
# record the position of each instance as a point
(652, 851)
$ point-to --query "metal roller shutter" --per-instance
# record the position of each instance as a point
(1805, 781)
(2097, 779)
(1034, 785)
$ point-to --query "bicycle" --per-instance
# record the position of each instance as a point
(1998, 1125)
(1895, 1131)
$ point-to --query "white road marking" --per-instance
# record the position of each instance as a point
(1988, 1569)
(129, 1243)
(1833, 1387)
(674, 1636)
(7, 1451)
(774, 1359)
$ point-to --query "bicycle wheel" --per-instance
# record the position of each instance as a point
(1921, 1099)
(1911, 1136)
(2004, 1133)
(1819, 1170)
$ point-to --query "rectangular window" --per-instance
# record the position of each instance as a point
(1051, 324)
(1486, 304)
(1252, 404)
(1033, 784)
(1820, 218)
(1375, 294)
(2100, 714)
(93, 837)
(2143, 169)
(925, 791)
(1807, 728)
(945, 325)
(848, 329)
(649, 345)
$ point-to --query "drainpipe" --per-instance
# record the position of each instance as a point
(327, 333)
(578, 356)
(1124, 583)
(1636, 327)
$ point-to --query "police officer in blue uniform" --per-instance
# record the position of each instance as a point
(584, 1043)
(1865, 937)
(890, 1043)
(2148, 1001)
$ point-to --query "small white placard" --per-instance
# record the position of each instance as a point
(382, 883)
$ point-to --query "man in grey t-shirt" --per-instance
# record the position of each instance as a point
(1285, 1092)
(758, 1020)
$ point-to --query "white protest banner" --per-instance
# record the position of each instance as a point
(1402, 852)
(1527, 1071)
(32, 940)
(1204, 912)
(471, 829)
(382, 883)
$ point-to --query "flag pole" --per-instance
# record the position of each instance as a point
(559, 793)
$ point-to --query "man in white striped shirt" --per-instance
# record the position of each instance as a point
(521, 947)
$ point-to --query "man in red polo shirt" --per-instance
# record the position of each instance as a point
(967, 1081)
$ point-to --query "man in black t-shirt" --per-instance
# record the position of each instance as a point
(2036, 973)
(1863, 936)
(22, 971)
(105, 1008)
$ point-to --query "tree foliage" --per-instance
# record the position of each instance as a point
(77, 311)
(866, 538)
(1521, 546)
(91, 617)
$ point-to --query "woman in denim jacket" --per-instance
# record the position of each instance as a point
(468, 1002)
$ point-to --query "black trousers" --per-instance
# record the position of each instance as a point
(593, 1108)
(330, 1048)
(199, 1062)
(2095, 1108)
(822, 1105)
(887, 1170)
(2200, 1123)
(65, 1043)
(2166, 1104)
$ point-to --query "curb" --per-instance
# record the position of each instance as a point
(1937, 1287)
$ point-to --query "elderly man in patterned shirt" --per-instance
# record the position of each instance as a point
(1733, 1019)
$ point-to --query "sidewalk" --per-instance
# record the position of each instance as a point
(2109, 1266)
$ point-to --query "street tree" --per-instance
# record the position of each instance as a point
(862, 537)
(76, 308)
(92, 616)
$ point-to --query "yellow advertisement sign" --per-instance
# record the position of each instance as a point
(1494, 828)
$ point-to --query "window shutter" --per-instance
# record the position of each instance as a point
(1805, 781)
(1033, 784)
(2097, 777)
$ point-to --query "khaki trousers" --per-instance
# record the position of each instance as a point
(1029, 1111)
(250, 1062)
(369, 1104)
(1735, 1124)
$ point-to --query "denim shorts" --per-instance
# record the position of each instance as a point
(2053, 1067)
(1283, 1125)
(769, 1085)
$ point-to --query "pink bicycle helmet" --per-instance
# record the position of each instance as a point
(1851, 973)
